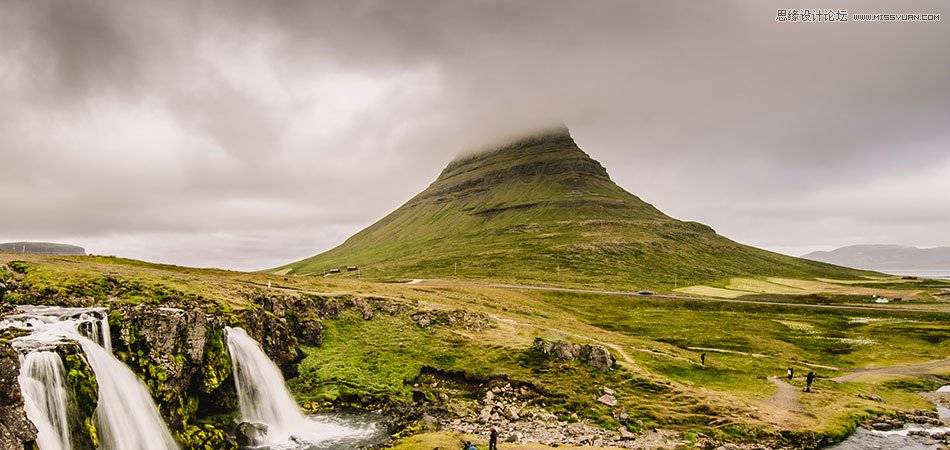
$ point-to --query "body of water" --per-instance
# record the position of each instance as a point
(943, 274)
(904, 438)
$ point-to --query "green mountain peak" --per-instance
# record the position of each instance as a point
(540, 210)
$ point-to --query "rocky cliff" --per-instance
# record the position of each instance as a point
(16, 430)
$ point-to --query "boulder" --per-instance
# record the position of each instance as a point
(626, 435)
(608, 400)
(250, 434)
(882, 426)
(565, 351)
(595, 355)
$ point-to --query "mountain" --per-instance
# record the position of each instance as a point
(41, 248)
(540, 210)
(886, 257)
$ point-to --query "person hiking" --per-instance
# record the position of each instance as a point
(791, 373)
(469, 446)
(702, 358)
(493, 439)
(809, 379)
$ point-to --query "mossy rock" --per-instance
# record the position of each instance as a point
(83, 399)
(205, 437)
(216, 364)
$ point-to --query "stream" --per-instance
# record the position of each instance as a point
(910, 436)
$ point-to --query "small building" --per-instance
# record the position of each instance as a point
(334, 270)
(352, 268)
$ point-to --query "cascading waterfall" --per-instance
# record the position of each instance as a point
(127, 418)
(264, 398)
(44, 397)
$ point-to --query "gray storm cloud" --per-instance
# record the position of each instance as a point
(248, 134)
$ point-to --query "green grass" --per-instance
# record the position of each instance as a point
(658, 379)
(841, 338)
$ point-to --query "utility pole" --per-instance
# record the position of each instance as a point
(455, 271)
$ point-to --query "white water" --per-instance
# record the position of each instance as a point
(126, 415)
(865, 439)
(44, 398)
(264, 398)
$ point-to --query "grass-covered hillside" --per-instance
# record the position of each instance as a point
(439, 346)
(540, 210)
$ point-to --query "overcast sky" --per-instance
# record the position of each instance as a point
(249, 134)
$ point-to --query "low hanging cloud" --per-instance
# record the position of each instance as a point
(248, 134)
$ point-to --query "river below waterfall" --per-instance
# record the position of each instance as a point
(266, 403)
(370, 433)
(910, 436)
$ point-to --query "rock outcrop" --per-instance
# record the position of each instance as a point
(16, 431)
(596, 355)
(181, 355)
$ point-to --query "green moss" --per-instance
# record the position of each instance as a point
(18, 266)
(216, 364)
(83, 400)
(204, 437)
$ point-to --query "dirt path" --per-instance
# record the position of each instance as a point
(783, 408)
(734, 352)
(908, 369)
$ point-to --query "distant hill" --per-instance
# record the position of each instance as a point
(886, 257)
(41, 248)
(540, 210)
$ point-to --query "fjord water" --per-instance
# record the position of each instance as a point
(127, 418)
(44, 398)
(264, 398)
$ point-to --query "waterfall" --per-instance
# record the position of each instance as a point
(264, 398)
(126, 416)
(44, 398)
(106, 333)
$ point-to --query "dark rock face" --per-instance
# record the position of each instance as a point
(455, 318)
(16, 431)
(180, 353)
(596, 355)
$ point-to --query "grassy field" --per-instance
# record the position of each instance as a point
(657, 341)
(893, 288)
